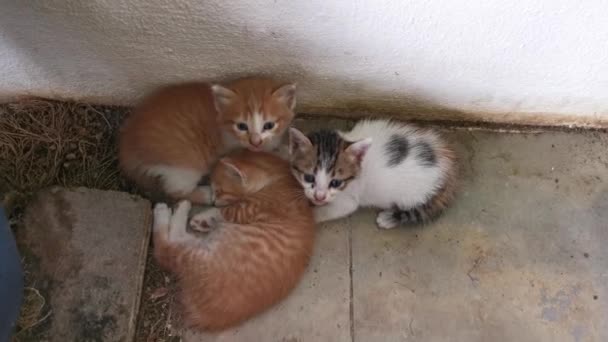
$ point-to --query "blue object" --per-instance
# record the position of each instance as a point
(11, 280)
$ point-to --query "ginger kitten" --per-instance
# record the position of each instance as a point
(406, 171)
(172, 139)
(259, 241)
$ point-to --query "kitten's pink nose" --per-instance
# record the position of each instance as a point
(320, 196)
(255, 141)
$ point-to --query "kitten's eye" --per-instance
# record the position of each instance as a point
(241, 126)
(268, 126)
(335, 183)
(309, 178)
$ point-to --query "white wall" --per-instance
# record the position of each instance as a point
(508, 60)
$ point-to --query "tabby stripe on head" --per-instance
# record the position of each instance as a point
(328, 148)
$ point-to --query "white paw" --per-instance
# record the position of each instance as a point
(183, 208)
(180, 216)
(205, 221)
(162, 215)
(386, 219)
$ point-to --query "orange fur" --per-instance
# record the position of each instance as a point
(178, 132)
(256, 252)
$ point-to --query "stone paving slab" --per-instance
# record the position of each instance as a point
(88, 251)
(520, 257)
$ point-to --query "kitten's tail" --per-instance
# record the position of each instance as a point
(424, 213)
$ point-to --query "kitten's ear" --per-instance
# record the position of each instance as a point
(298, 141)
(233, 169)
(287, 95)
(358, 149)
(222, 97)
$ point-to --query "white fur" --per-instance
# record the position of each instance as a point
(336, 208)
(257, 123)
(322, 180)
(162, 217)
(406, 185)
(172, 226)
(176, 179)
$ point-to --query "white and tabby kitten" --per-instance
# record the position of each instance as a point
(408, 172)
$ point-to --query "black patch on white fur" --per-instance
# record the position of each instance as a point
(425, 154)
(396, 148)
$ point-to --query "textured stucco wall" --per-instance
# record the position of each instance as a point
(500, 60)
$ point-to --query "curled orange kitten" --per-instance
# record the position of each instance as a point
(172, 139)
(258, 244)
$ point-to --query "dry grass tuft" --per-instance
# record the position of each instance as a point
(32, 312)
(45, 143)
(157, 318)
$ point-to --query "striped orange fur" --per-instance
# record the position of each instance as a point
(257, 247)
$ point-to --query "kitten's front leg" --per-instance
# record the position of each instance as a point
(339, 207)
(162, 218)
(178, 222)
(206, 220)
(170, 228)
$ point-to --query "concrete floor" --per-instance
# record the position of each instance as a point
(521, 256)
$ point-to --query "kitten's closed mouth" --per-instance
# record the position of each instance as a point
(319, 203)
(255, 149)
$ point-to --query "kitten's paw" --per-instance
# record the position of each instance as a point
(182, 209)
(179, 220)
(205, 221)
(162, 216)
(386, 219)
